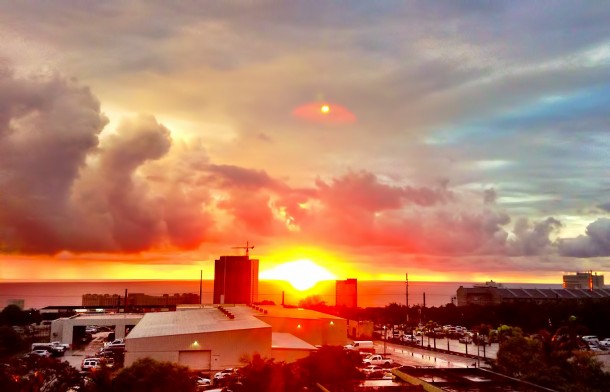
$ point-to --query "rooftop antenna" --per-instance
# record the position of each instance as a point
(247, 247)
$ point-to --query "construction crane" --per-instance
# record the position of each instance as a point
(247, 247)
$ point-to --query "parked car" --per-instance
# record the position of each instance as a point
(203, 382)
(590, 339)
(114, 342)
(41, 353)
(224, 373)
(90, 363)
(466, 339)
(605, 342)
(410, 339)
(91, 329)
(372, 368)
(96, 363)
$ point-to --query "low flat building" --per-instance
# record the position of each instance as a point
(138, 300)
(494, 295)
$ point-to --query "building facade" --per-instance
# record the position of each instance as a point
(235, 280)
(583, 280)
(346, 293)
(139, 299)
(490, 295)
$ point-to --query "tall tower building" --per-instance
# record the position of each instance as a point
(235, 280)
(346, 293)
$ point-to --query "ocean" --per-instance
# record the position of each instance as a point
(37, 295)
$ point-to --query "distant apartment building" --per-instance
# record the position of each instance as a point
(583, 280)
(235, 280)
(346, 293)
(139, 300)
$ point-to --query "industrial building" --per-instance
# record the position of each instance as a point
(202, 339)
(346, 293)
(216, 337)
(493, 294)
(71, 329)
(235, 280)
(137, 300)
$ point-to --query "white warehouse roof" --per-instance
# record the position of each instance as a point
(194, 321)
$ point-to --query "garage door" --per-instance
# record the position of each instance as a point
(196, 360)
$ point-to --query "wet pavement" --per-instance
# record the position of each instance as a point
(421, 356)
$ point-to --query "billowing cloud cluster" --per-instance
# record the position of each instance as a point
(65, 189)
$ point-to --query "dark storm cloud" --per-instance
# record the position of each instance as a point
(64, 190)
(47, 129)
(533, 238)
(596, 242)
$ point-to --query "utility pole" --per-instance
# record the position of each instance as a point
(125, 304)
(201, 287)
(423, 312)
(407, 295)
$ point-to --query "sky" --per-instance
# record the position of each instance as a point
(453, 141)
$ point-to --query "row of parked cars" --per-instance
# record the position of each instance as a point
(111, 354)
(415, 336)
(594, 344)
(50, 349)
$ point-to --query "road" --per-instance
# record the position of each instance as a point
(418, 356)
(75, 357)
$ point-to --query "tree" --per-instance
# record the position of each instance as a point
(10, 342)
(518, 356)
(265, 375)
(333, 367)
(13, 315)
(148, 375)
(34, 373)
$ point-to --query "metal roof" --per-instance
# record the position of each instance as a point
(194, 321)
(285, 340)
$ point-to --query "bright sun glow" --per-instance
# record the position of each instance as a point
(325, 109)
(301, 274)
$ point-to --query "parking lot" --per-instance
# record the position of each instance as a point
(75, 357)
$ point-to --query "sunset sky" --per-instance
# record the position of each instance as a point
(458, 141)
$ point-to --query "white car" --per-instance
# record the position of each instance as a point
(372, 369)
(224, 373)
(114, 342)
(605, 342)
(41, 353)
(590, 339)
(410, 339)
(466, 339)
(202, 381)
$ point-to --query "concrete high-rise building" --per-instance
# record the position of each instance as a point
(235, 280)
(583, 280)
(346, 293)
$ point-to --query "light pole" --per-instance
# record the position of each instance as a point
(478, 350)
(385, 338)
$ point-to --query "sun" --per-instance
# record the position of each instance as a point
(301, 274)
(325, 109)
